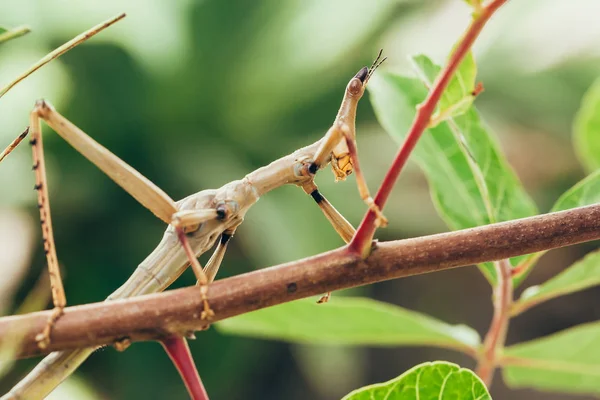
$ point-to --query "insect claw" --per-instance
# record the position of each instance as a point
(43, 338)
(325, 298)
(122, 344)
(207, 313)
(380, 220)
(190, 335)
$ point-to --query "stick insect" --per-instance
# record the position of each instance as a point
(195, 223)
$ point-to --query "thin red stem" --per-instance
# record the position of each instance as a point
(361, 242)
(496, 336)
(179, 352)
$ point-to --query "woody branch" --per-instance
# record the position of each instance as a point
(177, 312)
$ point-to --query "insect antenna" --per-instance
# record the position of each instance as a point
(378, 61)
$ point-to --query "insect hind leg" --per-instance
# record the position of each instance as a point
(41, 186)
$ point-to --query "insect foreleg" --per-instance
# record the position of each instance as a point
(193, 219)
(340, 144)
(337, 220)
(213, 264)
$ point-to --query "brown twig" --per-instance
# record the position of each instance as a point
(178, 312)
(496, 336)
(364, 234)
(59, 51)
(14, 33)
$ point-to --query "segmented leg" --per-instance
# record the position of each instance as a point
(207, 312)
(177, 347)
(213, 264)
(134, 183)
(337, 220)
(340, 146)
(189, 220)
(41, 186)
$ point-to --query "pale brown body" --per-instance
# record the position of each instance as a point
(195, 223)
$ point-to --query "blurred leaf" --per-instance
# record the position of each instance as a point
(311, 58)
(17, 231)
(583, 274)
(331, 370)
(586, 128)
(584, 193)
(38, 297)
(450, 154)
(438, 380)
(9, 347)
(568, 361)
(473, 3)
(458, 96)
(6, 35)
(74, 388)
(474, 147)
(350, 321)
(36, 300)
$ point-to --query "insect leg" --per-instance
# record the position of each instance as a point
(189, 220)
(340, 145)
(213, 264)
(337, 220)
(138, 186)
(41, 186)
(134, 183)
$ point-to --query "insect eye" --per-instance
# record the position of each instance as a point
(221, 212)
(355, 86)
(226, 210)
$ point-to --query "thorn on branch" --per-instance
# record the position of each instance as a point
(122, 344)
(478, 89)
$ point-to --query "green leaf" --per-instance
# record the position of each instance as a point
(584, 193)
(471, 182)
(350, 321)
(568, 361)
(586, 128)
(474, 3)
(437, 380)
(458, 96)
(584, 274)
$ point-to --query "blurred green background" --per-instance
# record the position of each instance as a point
(194, 94)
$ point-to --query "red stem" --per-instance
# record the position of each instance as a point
(361, 242)
(179, 352)
(496, 336)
